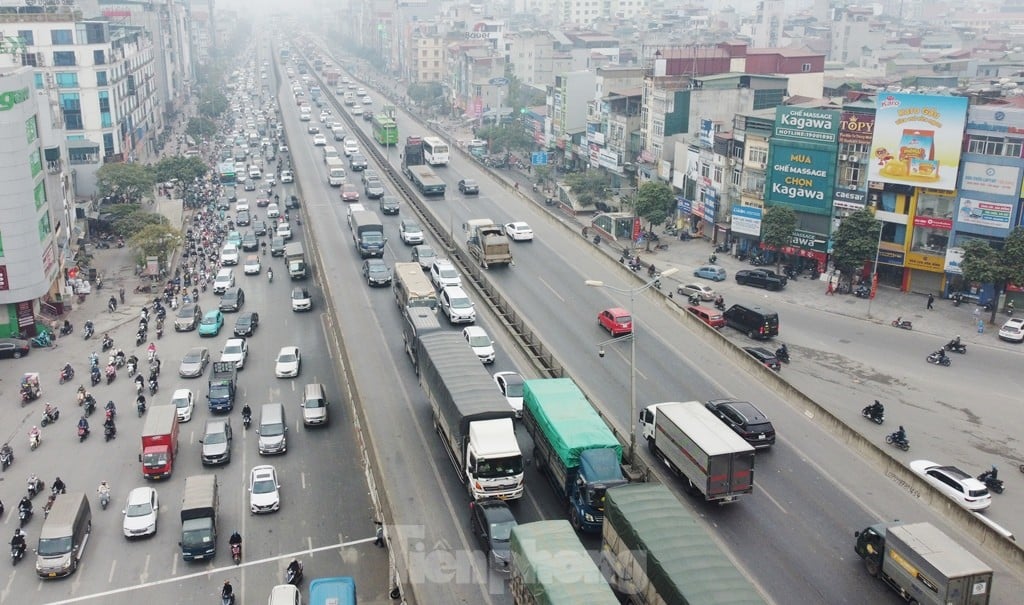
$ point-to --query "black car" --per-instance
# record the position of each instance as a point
(188, 317)
(277, 246)
(242, 218)
(260, 228)
(223, 203)
(469, 187)
(761, 278)
(766, 357)
(389, 204)
(745, 419)
(250, 243)
(357, 162)
(491, 522)
(14, 347)
(232, 300)
(246, 323)
(250, 185)
(376, 272)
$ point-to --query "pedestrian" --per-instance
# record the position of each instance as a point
(830, 290)
(120, 293)
(931, 301)
(977, 313)
(379, 541)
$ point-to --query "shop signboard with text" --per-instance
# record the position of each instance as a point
(746, 220)
(804, 124)
(800, 177)
(917, 140)
(985, 178)
(993, 215)
(926, 262)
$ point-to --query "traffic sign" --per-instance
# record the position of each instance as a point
(498, 82)
(539, 158)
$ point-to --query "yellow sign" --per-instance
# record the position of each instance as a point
(925, 262)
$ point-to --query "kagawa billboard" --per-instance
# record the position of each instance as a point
(917, 140)
(802, 158)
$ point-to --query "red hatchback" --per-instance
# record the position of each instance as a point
(616, 320)
(349, 193)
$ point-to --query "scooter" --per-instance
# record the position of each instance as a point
(939, 360)
(236, 553)
(17, 553)
(104, 498)
(892, 439)
(33, 441)
(991, 482)
(246, 421)
(869, 413)
(95, 377)
(88, 330)
(6, 458)
(899, 322)
(24, 515)
(49, 418)
(67, 374)
(109, 432)
(35, 485)
(293, 576)
(82, 433)
(108, 343)
(89, 406)
(782, 354)
(111, 374)
(141, 407)
(720, 305)
(956, 348)
(862, 292)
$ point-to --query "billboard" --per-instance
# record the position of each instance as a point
(997, 180)
(800, 177)
(856, 128)
(993, 215)
(917, 140)
(746, 220)
(805, 124)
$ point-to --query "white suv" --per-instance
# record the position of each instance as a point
(457, 306)
(443, 273)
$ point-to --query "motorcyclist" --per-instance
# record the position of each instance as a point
(83, 424)
(719, 301)
(48, 411)
(18, 542)
(140, 382)
(270, 274)
(119, 357)
(294, 568)
(25, 505)
(226, 592)
(140, 402)
(941, 354)
(235, 538)
(990, 475)
(877, 409)
(109, 428)
(110, 407)
(133, 361)
(901, 435)
(246, 412)
(651, 270)
(151, 350)
(6, 450)
(58, 486)
(94, 360)
(782, 351)
(67, 370)
(34, 434)
(103, 490)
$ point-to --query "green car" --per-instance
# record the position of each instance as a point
(235, 238)
(211, 324)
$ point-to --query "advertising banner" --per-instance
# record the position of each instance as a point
(891, 254)
(993, 215)
(934, 222)
(803, 124)
(800, 178)
(856, 128)
(997, 180)
(917, 140)
(925, 262)
(683, 205)
(707, 132)
(954, 256)
(746, 220)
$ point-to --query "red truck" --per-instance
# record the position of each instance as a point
(159, 442)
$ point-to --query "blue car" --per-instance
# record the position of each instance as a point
(211, 324)
(710, 272)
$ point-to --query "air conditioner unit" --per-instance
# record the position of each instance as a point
(843, 157)
(731, 161)
(854, 159)
(760, 165)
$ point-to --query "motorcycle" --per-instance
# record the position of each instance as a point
(862, 292)
(24, 515)
(6, 457)
(293, 575)
(236, 553)
(35, 485)
(111, 374)
(899, 322)
(154, 386)
(713, 259)
(991, 482)
(88, 330)
(67, 374)
(17, 553)
(141, 407)
(720, 305)
(894, 440)
(140, 337)
(49, 418)
(870, 413)
(782, 354)
(104, 498)
(108, 343)
(89, 405)
(66, 329)
(33, 441)
(95, 377)
(939, 360)
(956, 347)
(131, 368)
(246, 420)
(270, 276)
(82, 433)
(109, 432)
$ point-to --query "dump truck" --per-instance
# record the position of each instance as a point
(415, 167)
(199, 518)
(572, 446)
(714, 461)
(654, 551)
(295, 259)
(159, 442)
(487, 242)
(222, 386)
(923, 564)
(472, 418)
(551, 567)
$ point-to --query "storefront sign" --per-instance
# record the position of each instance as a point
(10, 98)
(849, 199)
(707, 132)
(4, 284)
(925, 262)
(917, 140)
(984, 214)
(607, 159)
(802, 124)
(809, 240)
(954, 256)
(891, 257)
(997, 180)
(800, 178)
(933, 222)
(683, 205)
(746, 220)
(710, 205)
(856, 128)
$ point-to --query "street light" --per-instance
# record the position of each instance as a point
(656, 280)
(874, 269)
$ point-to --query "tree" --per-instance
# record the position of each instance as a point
(154, 240)
(426, 93)
(124, 183)
(201, 128)
(212, 103)
(589, 187)
(179, 167)
(654, 202)
(129, 219)
(855, 241)
(777, 229)
(504, 138)
(984, 264)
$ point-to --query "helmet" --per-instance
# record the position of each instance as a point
(17, 531)
(35, 428)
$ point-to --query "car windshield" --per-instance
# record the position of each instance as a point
(233, 350)
(286, 358)
(623, 319)
(271, 430)
(460, 303)
(54, 547)
(425, 253)
(496, 468)
(181, 402)
(373, 237)
(215, 438)
(299, 294)
(411, 227)
(313, 404)
(187, 312)
(479, 341)
(378, 269)
(264, 486)
(448, 273)
(209, 321)
(502, 532)
(139, 510)
(243, 321)
(513, 388)
(193, 357)
(192, 537)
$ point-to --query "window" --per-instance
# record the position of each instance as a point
(985, 145)
(736, 178)
(108, 144)
(1013, 147)
(71, 106)
(63, 58)
(27, 37)
(718, 174)
(39, 80)
(705, 170)
(30, 59)
(101, 78)
(99, 57)
(758, 155)
(806, 67)
(61, 36)
(44, 226)
(67, 79)
(105, 119)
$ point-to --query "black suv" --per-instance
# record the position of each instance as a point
(761, 278)
(765, 357)
(246, 323)
(492, 522)
(232, 300)
(744, 418)
(277, 246)
(389, 204)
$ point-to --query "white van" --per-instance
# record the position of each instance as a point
(285, 594)
(330, 152)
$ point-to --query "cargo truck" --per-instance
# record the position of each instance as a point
(923, 564)
(415, 167)
(336, 174)
(368, 234)
(699, 448)
(199, 518)
(412, 288)
(551, 567)
(472, 418)
(573, 447)
(295, 259)
(487, 242)
(159, 442)
(654, 551)
(222, 386)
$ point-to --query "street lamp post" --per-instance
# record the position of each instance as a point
(632, 292)
(874, 269)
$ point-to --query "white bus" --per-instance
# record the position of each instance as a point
(435, 151)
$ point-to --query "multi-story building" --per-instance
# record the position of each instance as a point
(426, 61)
(537, 56)
(613, 120)
(854, 28)
(586, 12)
(567, 104)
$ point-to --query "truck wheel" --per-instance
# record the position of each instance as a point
(574, 519)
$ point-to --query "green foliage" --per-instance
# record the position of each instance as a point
(201, 128)
(125, 183)
(154, 240)
(984, 264)
(426, 94)
(506, 138)
(589, 187)
(542, 173)
(132, 219)
(179, 167)
(855, 241)
(655, 202)
(777, 228)
(212, 103)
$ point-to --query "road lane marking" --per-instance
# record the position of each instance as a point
(113, 568)
(553, 291)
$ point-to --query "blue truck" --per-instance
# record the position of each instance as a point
(222, 386)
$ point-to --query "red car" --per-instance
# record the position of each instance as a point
(349, 193)
(616, 320)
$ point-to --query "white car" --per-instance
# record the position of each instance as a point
(184, 404)
(288, 362)
(700, 290)
(319, 140)
(273, 211)
(225, 279)
(367, 100)
(519, 231)
(357, 110)
(350, 147)
(511, 386)
(264, 490)
(287, 176)
(140, 512)
(241, 205)
(229, 255)
(1013, 330)
(443, 273)
(252, 266)
(480, 342)
(284, 230)
(955, 484)
(236, 350)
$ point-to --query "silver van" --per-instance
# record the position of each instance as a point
(272, 429)
(65, 532)
(314, 405)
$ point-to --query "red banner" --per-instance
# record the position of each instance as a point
(933, 222)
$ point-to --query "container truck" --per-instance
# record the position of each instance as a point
(414, 166)
(222, 386)
(699, 448)
(654, 551)
(551, 567)
(199, 518)
(573, 447)
(368, 234)
(487, 242)
(923, 564)
(412, 288)
(159, 442)
(472, 418)
(295, 259)
(336, 173)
